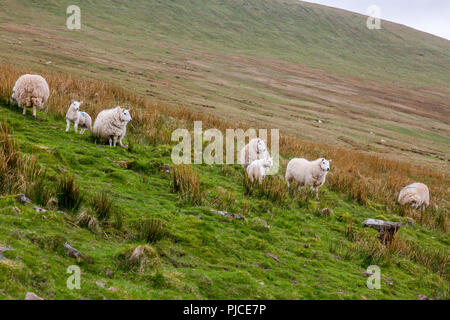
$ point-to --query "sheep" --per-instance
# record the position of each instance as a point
(416, 195)
(258, 169)
(255, 150)
(79, 119)
(308, 173)
(30, 90)
(111, 125)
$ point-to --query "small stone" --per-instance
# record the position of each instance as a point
(32, 296)
(100, 284)
(306, 245)
(274, 257)
(113, 289)
(74, 253)
(423, 297)
(23, 199)
(37, 209)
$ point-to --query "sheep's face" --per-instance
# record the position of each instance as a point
(13, 98)
(261, 146)
(125, 115)
(269, 162)
(325, 165)
(76, 105)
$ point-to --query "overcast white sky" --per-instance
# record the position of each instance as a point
(432, 16)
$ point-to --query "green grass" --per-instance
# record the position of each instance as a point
(199, 255)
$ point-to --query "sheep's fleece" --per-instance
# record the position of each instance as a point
(307, 173)
(30, 90)
(111, 125)
(416, 194)
(255, 150)
(79, 118)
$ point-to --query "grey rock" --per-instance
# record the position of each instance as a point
(74, 253)
(229, 215)
(32, 296)
(23, 199)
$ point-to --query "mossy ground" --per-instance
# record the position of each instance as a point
(203, 255)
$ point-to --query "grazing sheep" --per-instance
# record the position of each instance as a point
(79, 118)
(258, 169)
(416, 195)
(30, 90)
(308, 173)
(111, 125)
(255, 150)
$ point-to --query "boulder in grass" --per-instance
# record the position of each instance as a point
(386, 229)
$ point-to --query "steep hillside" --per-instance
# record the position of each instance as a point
(283, 64)
(289, 249)
(152, 230)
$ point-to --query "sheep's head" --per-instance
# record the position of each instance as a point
(13, 98)
(125, 115)
(261, 146)
(76, 105)
(325, 164)
(269, 162)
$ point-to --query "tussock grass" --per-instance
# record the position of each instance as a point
(102, 206)
(151, 230)
(17, 171)
(186, 182)
(141, 259)
(88, 221)
(68, 193)
(272, 188)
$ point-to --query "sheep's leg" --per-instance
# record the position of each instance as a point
(122, 145)
(317, 193)
(24, 110)
(114, 141)
(110, 142)
(82, 130)
(34, 111)
(68, 125)
(75, 125)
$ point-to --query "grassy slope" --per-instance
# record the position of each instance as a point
(208, 256)
(281, 64)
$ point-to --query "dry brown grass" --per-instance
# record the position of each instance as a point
(17, 171)
(364, 177)
(186, 182)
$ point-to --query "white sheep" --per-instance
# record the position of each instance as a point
(416, 195)
(255, 150)
(30, 90)
(79, 118)
(308, 173)
(258, 169)
(111, 125)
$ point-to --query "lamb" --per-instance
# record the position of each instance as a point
(258, 169)
(308, 173)
(255, 150)
(416, 195)
(30, 90)
(79, 119)
(111, 125)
